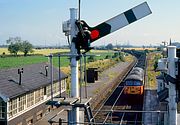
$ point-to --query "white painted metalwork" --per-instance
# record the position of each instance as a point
(172, 87)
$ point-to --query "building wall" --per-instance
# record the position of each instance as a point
(3, 112)
(31, 107)
(31, 116)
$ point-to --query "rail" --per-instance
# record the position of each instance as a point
(114, 105)
(112, 108)
(117, 98)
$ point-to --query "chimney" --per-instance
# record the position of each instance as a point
(20, 71)
(170, 42)
(46, 70)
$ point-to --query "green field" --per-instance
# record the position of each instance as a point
(12, 62)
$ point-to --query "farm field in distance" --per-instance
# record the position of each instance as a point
(36, 51)
(48, 51)
(10, 62)
(139, 48)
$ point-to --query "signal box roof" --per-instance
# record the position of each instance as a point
(32, 78)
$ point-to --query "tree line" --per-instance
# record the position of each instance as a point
(16, 44)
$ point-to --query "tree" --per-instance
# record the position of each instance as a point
(109, 46)
(13, 48)
(26, 47)
(15, 44)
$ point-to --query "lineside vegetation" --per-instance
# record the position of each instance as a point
(152, 59)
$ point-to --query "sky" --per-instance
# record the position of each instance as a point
(40, 21)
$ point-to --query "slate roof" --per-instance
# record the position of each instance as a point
(33, 77)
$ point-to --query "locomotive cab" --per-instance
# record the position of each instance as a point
(134, 82)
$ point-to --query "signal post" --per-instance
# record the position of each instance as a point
(172, 87)
(74, 65)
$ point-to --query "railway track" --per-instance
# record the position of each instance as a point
(119, 108)
(104, 114)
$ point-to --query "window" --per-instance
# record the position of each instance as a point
(2, 109)
(19, 123)
(129, 83)
(54, 88)
(62, 84)
(22, 103)
(45, 91)
(48, 90)
(39, 115)
(30, 99)
(57, 87)
(137, 83)
(133, 83)
(39, 95)
(13, 107)
(48, 109)
(29, 120)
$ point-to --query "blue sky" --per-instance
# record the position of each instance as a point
(39, 21)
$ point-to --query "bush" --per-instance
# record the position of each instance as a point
(115, 55)
(107, 57)
(91, 59)
(117, 59)
(121, 57)
(3, 55)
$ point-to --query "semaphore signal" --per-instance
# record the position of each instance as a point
(87, 34)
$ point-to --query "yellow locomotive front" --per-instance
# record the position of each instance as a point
(130, 89)
(134, 83)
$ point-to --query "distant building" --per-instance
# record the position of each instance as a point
(23, 98)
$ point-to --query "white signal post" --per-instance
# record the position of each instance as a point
(172, 87)
(74, 65)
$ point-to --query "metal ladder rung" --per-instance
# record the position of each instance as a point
(89, 112)
(92, 119)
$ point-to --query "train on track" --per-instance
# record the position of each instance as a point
(134, 82)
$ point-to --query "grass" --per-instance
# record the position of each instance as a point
(11, 62)
(152, 84)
